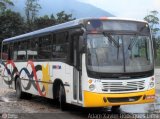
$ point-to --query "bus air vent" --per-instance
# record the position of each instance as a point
(127, 86)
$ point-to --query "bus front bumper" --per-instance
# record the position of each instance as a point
(92, 99)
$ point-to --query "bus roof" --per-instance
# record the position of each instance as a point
(69, 24)
(45, 30)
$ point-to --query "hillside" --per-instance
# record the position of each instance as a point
(75, 7)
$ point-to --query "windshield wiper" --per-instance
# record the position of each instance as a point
(116, 44)
(111, 39)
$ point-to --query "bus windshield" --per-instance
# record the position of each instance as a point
(119, 53)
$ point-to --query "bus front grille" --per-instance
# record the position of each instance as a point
(126, 86)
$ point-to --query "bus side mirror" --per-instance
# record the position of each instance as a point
(154, 48)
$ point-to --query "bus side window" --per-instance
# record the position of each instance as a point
(32, 48)
(45, 47)
(10, 51)
(5, 52)
(61, 46)
(21, 52)
(75, 51)
(15, 50)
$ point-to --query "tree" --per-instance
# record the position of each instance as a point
(4, 3)
(63, 17)
(31, 10)
(12, 24)
(153, 21)
(47, 21)
(44, 21)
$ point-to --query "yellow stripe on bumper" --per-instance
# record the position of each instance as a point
(97, 99)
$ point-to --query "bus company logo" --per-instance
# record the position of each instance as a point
(31, 75)
(124, 83)
(56, 67)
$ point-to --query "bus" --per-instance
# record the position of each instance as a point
(89, 62)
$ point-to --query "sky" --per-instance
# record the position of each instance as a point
(127, 8)
(136, 9)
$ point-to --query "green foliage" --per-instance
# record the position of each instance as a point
(12, 24)
(153, 21)
(31, 10)
(47, 21)
(4, 3)
(63, 17)
(157, 60)
(44, 21)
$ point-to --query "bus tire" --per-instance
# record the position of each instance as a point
(19, 93)
(27, 96)
(62, 98)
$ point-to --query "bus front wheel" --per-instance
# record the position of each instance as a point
(115, 108)
(19, 93)
(62, 98)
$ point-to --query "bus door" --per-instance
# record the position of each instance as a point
(77, 72)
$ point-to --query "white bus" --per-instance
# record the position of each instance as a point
(92, 62)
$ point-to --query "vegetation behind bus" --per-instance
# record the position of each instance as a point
(13, 23)
(153, 20)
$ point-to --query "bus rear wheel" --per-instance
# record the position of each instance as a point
(62, 98)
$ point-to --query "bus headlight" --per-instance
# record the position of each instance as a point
(151, 84)
(92, 87)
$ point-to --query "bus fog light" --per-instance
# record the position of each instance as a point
(151, 84)
(91, 87)
(148, 97)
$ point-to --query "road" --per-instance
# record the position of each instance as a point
(39, 107)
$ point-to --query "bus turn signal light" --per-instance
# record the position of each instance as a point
(90, 81)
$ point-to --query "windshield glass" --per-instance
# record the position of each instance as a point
(111, 53)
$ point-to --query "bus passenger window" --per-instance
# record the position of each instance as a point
(21, 52)
(32, 49)
(60, 47)
(10, 52)
(5, 52)
(45, 47)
